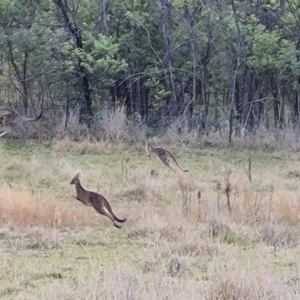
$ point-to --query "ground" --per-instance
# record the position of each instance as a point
(211, 233)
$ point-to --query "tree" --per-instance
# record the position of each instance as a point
(86, 111)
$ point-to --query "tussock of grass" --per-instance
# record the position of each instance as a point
(286, 205)
(85, 146)
(20, 206)
(63, 145)
(115, 124)
(279, 235)
(246, 287)
(141, 186)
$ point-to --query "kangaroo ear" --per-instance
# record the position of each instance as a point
(77, 175)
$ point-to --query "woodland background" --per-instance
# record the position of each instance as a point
(106, 74)
(195, 65)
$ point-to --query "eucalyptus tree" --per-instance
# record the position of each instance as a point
(27, 67)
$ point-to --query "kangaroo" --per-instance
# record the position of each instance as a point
(164, 155)
(11, 117)
(99, 203)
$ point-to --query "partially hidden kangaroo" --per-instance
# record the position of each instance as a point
(11, 117)
(99, 203)
(164, 155)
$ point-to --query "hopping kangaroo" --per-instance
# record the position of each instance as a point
(164, 155)
(10, 117)
(96, 200)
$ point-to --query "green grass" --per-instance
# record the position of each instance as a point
(166, 249)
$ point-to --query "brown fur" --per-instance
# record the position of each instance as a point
(96, 200)
(10, 117)
(164, 155)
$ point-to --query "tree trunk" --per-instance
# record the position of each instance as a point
(296, 102)
(166, 18)
(231, 106)
(86, 111)
(275, 102)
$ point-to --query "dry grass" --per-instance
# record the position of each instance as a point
(115, 124)
(21, 206)
(85, 146)
(244, 286)
(180, 240)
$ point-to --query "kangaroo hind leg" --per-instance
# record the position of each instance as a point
(6, 130)
(101, 211)
(169, 164)
(108, 207)
(3, 133)
(166, 161)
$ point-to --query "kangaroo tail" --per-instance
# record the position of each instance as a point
(183, 169)
(179, 166)
(121, 220)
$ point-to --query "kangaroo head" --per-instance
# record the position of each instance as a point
(75, 179)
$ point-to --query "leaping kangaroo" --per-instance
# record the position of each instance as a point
(163, 155)
(10, 117)
(99, 203)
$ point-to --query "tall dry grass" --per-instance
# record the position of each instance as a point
(20, 206)
(84, 146)
(132, 283)
(227, 195)
(116, 126)
(236, 286)
(114, 123)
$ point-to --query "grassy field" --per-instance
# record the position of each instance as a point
(180, 240)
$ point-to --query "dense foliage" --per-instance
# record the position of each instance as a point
(213, 61)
